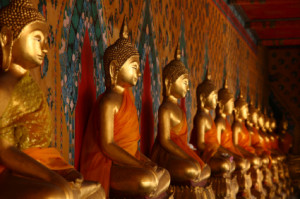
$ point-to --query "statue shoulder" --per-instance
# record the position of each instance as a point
(236, 126)
(110, 101)
(166, 108)
(220, 121)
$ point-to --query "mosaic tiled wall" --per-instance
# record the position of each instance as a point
(284, 79)
(207, 40)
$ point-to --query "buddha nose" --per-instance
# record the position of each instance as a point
(45, 46)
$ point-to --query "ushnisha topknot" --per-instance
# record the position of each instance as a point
(224, 95)
(17, 14)
(175, 68)
(206, 87)
(252, 108)
(120, 51)
(240, 101)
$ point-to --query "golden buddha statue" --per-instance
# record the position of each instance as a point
(207, 140)
(110, 152)
(241, 136)
(292, 165)
(256, 173)
(265, 154)
(171, 149)
(225, 108)
(29, 167)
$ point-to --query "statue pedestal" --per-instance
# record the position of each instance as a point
(267, 182)
(244, 182)
(221, 186)
(257, 188)
(192, 192)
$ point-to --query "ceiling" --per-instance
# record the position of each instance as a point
(273, 22)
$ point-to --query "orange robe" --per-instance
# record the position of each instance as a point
(211, 141)
(226, 140)
(257, 141)
(94, 164)
(244, 140)
(178, 135)
(26, 123)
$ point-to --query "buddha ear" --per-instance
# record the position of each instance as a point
(202, 102)
(6, 42)
(113, 72)
(168, 85)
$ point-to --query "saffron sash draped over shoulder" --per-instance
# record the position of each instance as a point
(226, 140)
(211, 141)
(94, 164)
(26, 124)
(244, 140)
(178, 135)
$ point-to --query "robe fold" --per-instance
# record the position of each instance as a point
(211, 141)
(226, 140)
(244, 140)
(179, 135)
(26, 124)
(94, 164)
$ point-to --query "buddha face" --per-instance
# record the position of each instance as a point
(267, 124)
(228, 107)
(253, 118)
(273, 124)
(284, 126)
(244, 112)
(211, 100)
(180, 87)
(129, 72)
(261, 121)
(30, 48)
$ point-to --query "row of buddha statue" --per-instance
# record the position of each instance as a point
(241, 160)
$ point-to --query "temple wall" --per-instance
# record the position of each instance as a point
(80, 30)
(284, 78)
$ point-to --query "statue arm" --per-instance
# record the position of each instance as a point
(235, 134)
(17, 161)
(201, 123)
(164, 134)
(107, 144)
(220, 127)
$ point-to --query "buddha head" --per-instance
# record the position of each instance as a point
(23, 36)
(284, 125)
(273, 123)
(175, 77)
(261, 120)
(252, 119)
(121, 61)
(267, 122)
(241, 108)
(225, 99)
(207, 94)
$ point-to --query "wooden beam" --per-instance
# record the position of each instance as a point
(280, 42)
(293, 23)
(259, 2)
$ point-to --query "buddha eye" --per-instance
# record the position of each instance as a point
(38, 38)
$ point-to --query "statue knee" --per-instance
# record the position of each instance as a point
(192, 172)
(205, 173)
(148, 184)
(242, 164)
(220, 166)
(53, 192)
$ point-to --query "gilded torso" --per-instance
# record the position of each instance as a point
(26, 122)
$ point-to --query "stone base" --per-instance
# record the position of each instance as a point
(221, 187)
(188, 192)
